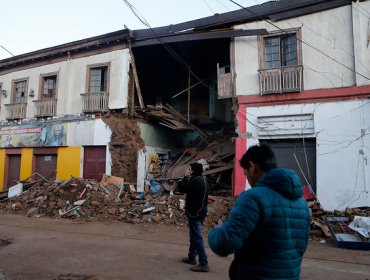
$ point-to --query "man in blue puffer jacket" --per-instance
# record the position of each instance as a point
(268, 227)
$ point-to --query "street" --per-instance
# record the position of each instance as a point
(44, 248)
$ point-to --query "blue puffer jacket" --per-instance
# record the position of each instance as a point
(267, 229)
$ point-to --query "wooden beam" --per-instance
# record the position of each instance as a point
(182, 118)
(218, 169)
(138, 90)
(131, 94)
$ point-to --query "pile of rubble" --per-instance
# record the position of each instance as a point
(105, 201)
(319, 227)
(88, 199)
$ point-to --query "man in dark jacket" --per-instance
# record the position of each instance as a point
(196, 189)
(268, 227)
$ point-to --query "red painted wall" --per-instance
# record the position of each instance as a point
(240, 148)
(309, 96)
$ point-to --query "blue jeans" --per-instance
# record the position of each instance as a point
(196, 241)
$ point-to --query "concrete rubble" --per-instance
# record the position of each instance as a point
(112, 200)
(88, 199)
(320, 227)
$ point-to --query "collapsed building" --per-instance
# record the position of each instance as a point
(144, 104)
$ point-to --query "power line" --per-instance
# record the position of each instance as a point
(366, 11)
(304, 64)
(302, 41)
(168, 48)
(6, 50)
(209, 7)
(222, 4)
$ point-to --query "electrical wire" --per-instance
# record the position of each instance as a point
(6, 50)
(327, 39)
(209, 7)
(166, 46)
(137, 14)
(367, 13)
(302, 41)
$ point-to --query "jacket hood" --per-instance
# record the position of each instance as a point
(283, 180)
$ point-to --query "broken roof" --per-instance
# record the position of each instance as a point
(272, 10)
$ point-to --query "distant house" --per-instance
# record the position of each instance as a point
(293, 74)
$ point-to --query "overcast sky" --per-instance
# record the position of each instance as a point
(29, 25)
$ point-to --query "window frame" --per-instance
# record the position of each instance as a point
(279, 33)
(13, 97)
(88, 76)
(41, 87)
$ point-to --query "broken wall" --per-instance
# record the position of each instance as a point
(124, 145)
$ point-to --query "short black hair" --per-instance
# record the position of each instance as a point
(261, 155)
(197, 168)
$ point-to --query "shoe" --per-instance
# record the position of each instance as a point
(200, 268)
(189, 260)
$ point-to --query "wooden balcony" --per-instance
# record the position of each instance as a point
(95, 102)
(16, 111)
(281, 80)
(46, 107)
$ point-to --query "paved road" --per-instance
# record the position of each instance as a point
(47, 248)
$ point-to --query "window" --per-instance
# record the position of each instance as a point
(98, 78)
(49, 87)
(280, 60)
(280, 51)
(21, 88)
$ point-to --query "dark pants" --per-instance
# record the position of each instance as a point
(196, 241)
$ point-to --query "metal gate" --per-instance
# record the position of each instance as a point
(94, 162)
(46, 165)
(299, 155)
(13, 170)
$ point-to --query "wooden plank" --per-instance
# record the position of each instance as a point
(181, 117)
(138, 90)
(131, 95)
(218, 169)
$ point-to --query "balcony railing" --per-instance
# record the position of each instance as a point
(284, 79)
(95, 102)
(16, 110)
(46, 107)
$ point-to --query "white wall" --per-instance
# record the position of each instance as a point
(328, 31)
(72, 76)
(90, 133)
(341, 150)
(361, 34)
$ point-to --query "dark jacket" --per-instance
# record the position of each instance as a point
(196, 202)
(267, 229)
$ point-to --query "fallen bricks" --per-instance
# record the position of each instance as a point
(88, 199)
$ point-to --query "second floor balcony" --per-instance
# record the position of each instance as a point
(281, 80)
(95, 102)
(45, 107)
(15, 111)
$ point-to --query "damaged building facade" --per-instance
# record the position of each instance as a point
(143, 104)
(304, 89)
(49, 100)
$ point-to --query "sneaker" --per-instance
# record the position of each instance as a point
(200, 268)
(189, 260)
